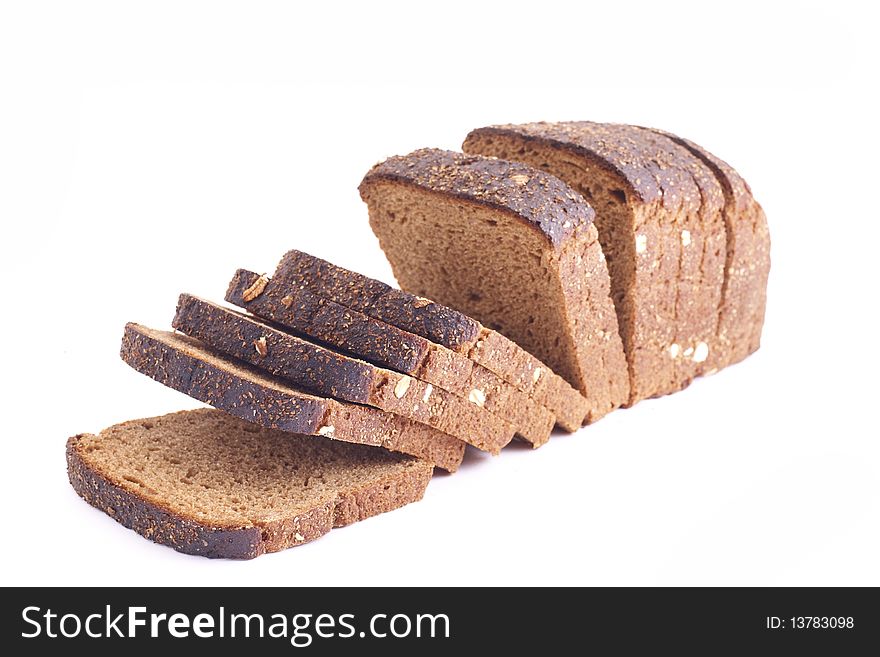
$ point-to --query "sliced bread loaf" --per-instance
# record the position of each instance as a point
(660, 225)
(208, 484)
(325, 372)
(191, 367)
(442, 325)
(365, 337)
(510, 246)
(747, 263)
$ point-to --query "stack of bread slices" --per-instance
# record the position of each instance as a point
(550, 274)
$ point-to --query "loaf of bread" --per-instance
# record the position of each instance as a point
(550, 274)
(191, 367)
(440, 324)
(319, 319)
(209, 484)
(309, 366)
(511, 246)
(688, 256)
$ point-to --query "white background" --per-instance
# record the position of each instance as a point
(151, 148)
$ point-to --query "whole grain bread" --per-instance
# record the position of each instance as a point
(659, 217)
(510, 246)
(319, 319)
(195, 369)
(320, 370)
(440, 324)
(209, 484)
(747, 262)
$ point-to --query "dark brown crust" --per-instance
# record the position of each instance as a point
(652, 172)
(430, 320)
(622, 157)
(306, 364)
(178, 362)
(734, 186)
(309, 314)
(268, 406)
(541, 200)
(154, 522)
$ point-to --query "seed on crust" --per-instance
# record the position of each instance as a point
(256, 288)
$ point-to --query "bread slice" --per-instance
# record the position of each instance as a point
(661, 228)
(208, 484)
(325, 372)
(747, 262)
(319, 319)
(442, 325)
(510, 246)
(191, 367)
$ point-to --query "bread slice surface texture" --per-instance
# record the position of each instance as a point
(209, 484)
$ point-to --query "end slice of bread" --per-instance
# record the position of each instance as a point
(209, 484)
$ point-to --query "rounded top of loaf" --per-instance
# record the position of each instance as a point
(654, 168)
(733, 184)
(540, 199)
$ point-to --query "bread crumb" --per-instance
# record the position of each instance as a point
(536, 374)
(688, 352)
(520, 179)
(402, 386)
(256, 288)
(287, 301)
(674, 350)
(421, 302)
(261, 347)
(299, 537)
(701, 353)
(327, 430)
(477, 397)
(685, 237)
(641, 243)
(428, 390)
